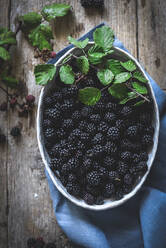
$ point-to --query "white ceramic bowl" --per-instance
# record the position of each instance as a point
(119, 53)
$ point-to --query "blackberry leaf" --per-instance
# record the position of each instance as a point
(122, 77)
(44, 73)
(54, 10)
(66, 74)
(129, 65)
(105, 76)
(89, 95)
(79, 44)
(83, 64)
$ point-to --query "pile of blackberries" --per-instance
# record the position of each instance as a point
(98, 151)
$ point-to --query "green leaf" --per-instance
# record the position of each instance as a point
(3, 30)
(105, 76)
(139, 76)
(7, 37)
(95, 55)
(79, 44)
(4, 54)
(131, 95)
(67, 58)
(44, 73)
(10, 81)
(40, 37)
(104, 37)
(140, 88)
(115, 66)
(89, 95)
(122, 77)
(139, 103)
(54, 10)
(30, 21)
(83, 64)
(129, 65)
(119, 91)
(66, 74)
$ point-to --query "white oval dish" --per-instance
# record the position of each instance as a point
(123, 55)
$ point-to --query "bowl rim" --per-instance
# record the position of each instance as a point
(56, 181)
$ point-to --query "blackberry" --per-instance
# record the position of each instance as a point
(122, 168)
(147, 140)
(86, 111)
(94, 178)
(51, 245)
(149, 130)
(76, 115)
(65, 169)
(95, 191)
(30, 99)
(82, 125)
(31, 242)
(71, 91)
(136, 158)
(91, 128)
(97, 150)
(119, 194)
(99, 106)
(90, 153)
(120, 124)
(126, 111)
(73, 188)
(89, 199)
(54, 163)
(112, 107)
(86, 165)
(81, 146)
(126, 188)
(67, 105)
(110, 117)
(126, 145)
(126, 156)
(72, 178)
(109, 190)
(84, 136)
(60, 133)
(132, 132)
(113, 133)
(113, 176)
(98, 139)
(64, 153)
(48, 101)
(2, 138)
(144, 156)
(103, 172)
(95, 118)
(57, 96)
(90, 83)
(128, 179)
(53, 113)
(109, 162)
(63, 179)
(142, 164)
(47, 123)
(68, 124)
(110, 148)
(55, 149)
(99, 200)
(73, 164)
(103, 127)
(15, 131)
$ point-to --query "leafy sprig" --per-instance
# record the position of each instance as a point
(122, 79)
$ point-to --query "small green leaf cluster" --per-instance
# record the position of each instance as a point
(122, 79)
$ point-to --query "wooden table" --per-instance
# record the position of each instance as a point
(25, 205)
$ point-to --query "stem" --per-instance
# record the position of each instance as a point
(82, 76)
(145, 98)
(105, 87)
(84, 52)
(5, 91)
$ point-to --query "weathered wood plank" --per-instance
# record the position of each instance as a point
(152, 38)
(4, 21)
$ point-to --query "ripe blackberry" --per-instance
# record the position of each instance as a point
(120, 124)
(126, 188)
(47, 123)
(94, 178)
(149, 130)
(67, 105)
(126, 145)
(122, 168)
(113, 176)
(99, 200)
(57, 96)
(98, 139)
(119, 194)
(128, 179)
(64, 153)
(110, 117)
(113, 133)
(143, 156)
(89, 199)
(53, 113)
(132, 132)
(55, 150)
(126, 111)
(73, 188)
(99, 106)
(71, 91)
(73, 164)
(90, 83)
(97, 150)
(60, 133)
(126, 156)
(63, 179)
(72, 178)
(95, 118)
(48, 101)
(51, 245)
(91, 128)
(92, 3)
(54, 163)
(86, 111)
(109, 190)
(110, 148)
(147, 140)
(68, 124)
(15, 132)
(2, 138)
(103, 172)
(102, 127)
(136, 158)
(81, 145)
(84, 137)
(82, 125)
(87, 164)
(76, 115)
(112, 107)
(31, 242)
(65, 169)
(109, 162)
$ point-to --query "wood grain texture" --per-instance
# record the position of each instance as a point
(152, 38)
(30, 207)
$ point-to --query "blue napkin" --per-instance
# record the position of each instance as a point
(141, 221)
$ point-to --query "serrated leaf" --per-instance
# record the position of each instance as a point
(30, 21)
(40, 37)
(79, 44)
(118, 91)
(4, 54)
(115, 66)
(44, 73)
(83, 64)
(7, 37)
(54, 10)
(89, 95)
(95, 55)
(139, 76)
(10, 81)
(140, 88)
(104, 37)
(131, 95)
(105, 76)
(66, 74)
(139, 103)
(122, 77)
(129, 65)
